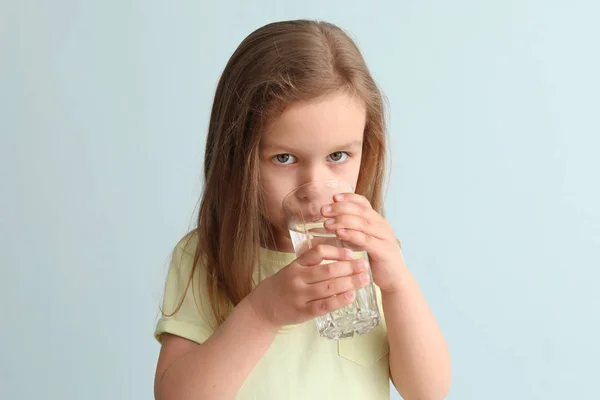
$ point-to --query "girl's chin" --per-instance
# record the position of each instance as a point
(283, 241)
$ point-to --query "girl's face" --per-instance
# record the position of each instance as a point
(311, 141)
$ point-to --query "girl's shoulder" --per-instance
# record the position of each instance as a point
(188, 243)
(183, 256)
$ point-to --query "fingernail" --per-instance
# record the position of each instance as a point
(329, 222)
(350, 295)
(362, 264)
(349, 253)
(339, 196)
(364, 278)
(327, 209)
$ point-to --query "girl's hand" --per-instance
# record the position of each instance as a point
(306, 289)
(353, 219)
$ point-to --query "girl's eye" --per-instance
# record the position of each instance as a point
(284, 159)
(338, 156)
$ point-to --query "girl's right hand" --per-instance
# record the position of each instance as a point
(307, 289)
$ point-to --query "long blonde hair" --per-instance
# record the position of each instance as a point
(273, 67)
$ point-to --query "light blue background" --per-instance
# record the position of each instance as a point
(494, 190)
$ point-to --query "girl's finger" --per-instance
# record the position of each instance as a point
(375, 230)
(369, 215)
(322, 252)
(321, 307)
(333, 287)
(346, 207)
(359, 239)
(324, 272)
(352, 197)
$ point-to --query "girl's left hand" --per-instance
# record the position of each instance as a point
(353, 219)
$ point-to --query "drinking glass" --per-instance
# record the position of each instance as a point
(305, 222)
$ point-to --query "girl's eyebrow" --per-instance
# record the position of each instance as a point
(354, 143)
(350, 145)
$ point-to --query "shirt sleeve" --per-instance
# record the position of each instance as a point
(186, 309)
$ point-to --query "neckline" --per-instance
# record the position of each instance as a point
(275, 259)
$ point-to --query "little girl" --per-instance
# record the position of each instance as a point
(295, 104)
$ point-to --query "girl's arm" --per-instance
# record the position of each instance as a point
(217, 368)
(299, 292)
(419, 357)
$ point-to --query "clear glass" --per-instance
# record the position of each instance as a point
(305, 224)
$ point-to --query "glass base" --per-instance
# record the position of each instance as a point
(345, 326)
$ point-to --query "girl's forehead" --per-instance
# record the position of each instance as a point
(336, 119)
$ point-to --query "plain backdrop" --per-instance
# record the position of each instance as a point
(494, 187)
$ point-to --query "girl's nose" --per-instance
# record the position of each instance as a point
(315, 173)
(308, 193)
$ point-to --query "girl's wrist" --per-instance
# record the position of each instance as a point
(262, 321)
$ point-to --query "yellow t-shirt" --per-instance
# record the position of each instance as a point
(299, 364)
